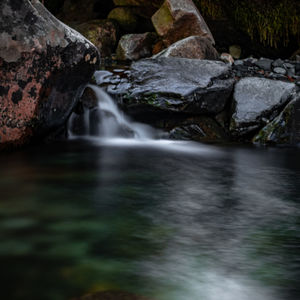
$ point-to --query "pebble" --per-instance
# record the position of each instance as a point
(280, 70)
(264, 63)
(278, 63)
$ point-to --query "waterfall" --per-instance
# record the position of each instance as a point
(105, 124)
(109, 121)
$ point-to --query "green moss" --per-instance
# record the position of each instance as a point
(272, 22)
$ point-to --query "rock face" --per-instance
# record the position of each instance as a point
(178, 19)
(44, 66)
(258, 101)
(135, 46)
(284, 129)
(191, 47)
(102, 33)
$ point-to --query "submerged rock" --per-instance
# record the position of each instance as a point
(178, 19)
(284, 129)
(44, 66)
(258, 101)
(191, 47)
(135, 46)
(177, 85)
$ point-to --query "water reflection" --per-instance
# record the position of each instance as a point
(217, 223)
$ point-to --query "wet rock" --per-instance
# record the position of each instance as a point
(112, 295)
(178, 19)
(264, 63)
(125, 17)
(178, 85)
(277, 63)
(135, 46)
(191, 47)
(258, 101)
(284, 129)
(102, 33)
(202, 129)
(44, 66)
(279, 70)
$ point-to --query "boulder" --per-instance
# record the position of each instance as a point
(176, 85)
(125, 17)
(258, 101)
(178, 19)
(284, 129)
(135, 46)
(102, 33)
(202, 129)
(191, 47)
(44, 66)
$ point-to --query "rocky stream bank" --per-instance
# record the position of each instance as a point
(177, 81)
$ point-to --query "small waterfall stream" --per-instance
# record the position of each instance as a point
(108, 125)
(111, 122)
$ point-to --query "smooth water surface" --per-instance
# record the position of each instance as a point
(169, 221)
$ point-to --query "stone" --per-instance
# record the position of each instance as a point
(201, 129)
(102, 33)
(264, 63)
(278, 63)
(178, 19)
(177, 85)
(235, 51)
(44, 66)
(227, 58)
(191, 47)
(125, 17)
(280, 70)
(257, 101)
(284, 129)
(135, 46)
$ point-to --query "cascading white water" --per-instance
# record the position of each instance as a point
(108, 125)
(112, 123)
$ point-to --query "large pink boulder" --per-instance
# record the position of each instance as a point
(178, 19)
(44, 66)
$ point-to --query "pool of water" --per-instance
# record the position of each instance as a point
(171, 221)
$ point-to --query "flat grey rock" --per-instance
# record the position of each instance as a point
(179, 84)
(257, 101)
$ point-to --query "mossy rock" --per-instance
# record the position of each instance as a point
(103, 34)
(125, 17)
(283, 130)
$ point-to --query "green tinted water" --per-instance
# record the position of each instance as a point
(221, 223)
